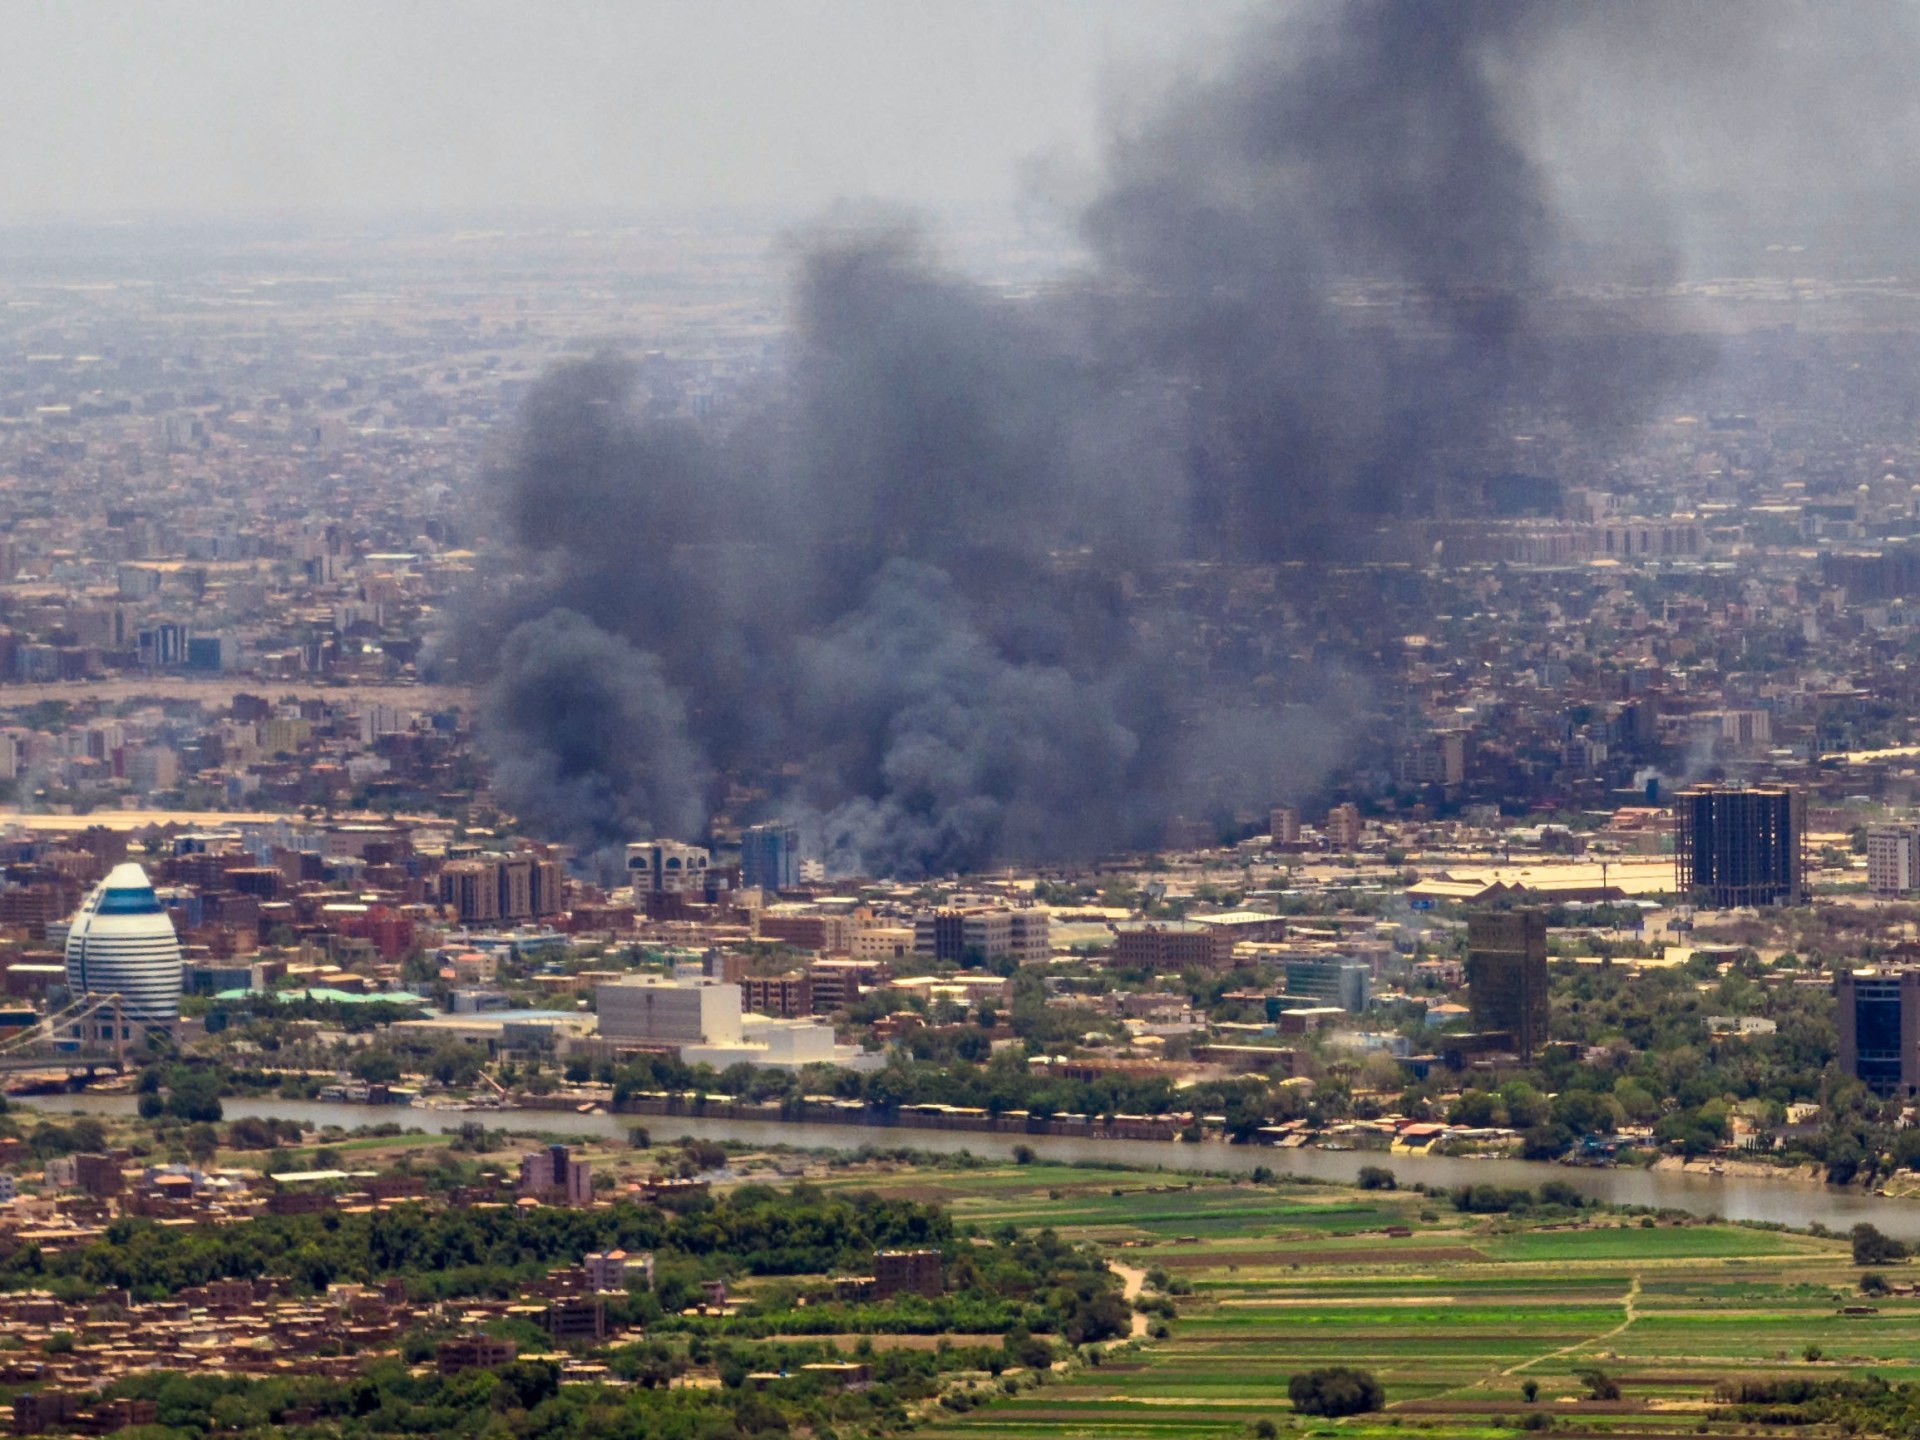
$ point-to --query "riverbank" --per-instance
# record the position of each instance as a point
(1808, 1174)
(1360, 1139)
(1730, 1197)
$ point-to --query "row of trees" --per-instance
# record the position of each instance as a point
(525, 1398)
(754, 1230)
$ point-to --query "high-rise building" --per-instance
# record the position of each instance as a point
(668, 1012)
(1893, 859)
(549, 887)
(1735, 846)
(1437, 759)
(906, 1272)
(553, 1175)
(515, 876)
(667, 867)
(1172, 946)
(610, 1270)
(769, 856)
(1332, 981)
(1283, 825)
(1878, 1016)
(471, 889)
(484, 889)
(835, 984)
(122, 943)
(1343, 828)
(1507, 975)
(775, 994)
(950, 936)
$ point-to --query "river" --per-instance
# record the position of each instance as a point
(1785, 1202)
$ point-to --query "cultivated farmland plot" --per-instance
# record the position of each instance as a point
(1458, 1315)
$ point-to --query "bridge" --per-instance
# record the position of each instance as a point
(52, 1043)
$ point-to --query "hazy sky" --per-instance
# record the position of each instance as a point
(190, 107)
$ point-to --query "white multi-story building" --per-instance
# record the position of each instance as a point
(669, 1012)
(780, 1043)
(667, 867)
(1893, 859)
(122, 943)
(610, 1270)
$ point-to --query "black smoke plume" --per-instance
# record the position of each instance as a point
(588, 736)
(916, 595)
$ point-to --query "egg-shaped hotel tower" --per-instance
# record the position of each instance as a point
(122, 943)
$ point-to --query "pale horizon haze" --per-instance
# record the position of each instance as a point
(208, 109)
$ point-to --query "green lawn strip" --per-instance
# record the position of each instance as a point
(1159, 1214)
(1443, 1319)
(1691, 1242)
(1436, 1285)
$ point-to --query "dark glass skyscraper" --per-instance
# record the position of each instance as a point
(1878, 1016)
(769, 856)
(1734, 846)
(1507, 975)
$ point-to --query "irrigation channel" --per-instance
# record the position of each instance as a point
(1784, 1201)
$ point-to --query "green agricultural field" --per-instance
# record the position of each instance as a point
(1453, 1318)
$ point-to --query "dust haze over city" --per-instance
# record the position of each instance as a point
(1246, 604)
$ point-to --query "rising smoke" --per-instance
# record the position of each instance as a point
(892, 597)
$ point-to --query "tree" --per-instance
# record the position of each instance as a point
(1600, 1385)
(1545, 1142)
(376, 1067)
(194, 1095)
(1027, 1349)
(202, 1143)
(1585, 1113)
(250, 1132)
(1530, 1390)
(1377, 1177)
(1871, 1247)
(1335, 1390)
(457, 1063)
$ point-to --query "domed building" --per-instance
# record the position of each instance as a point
(122, 943)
